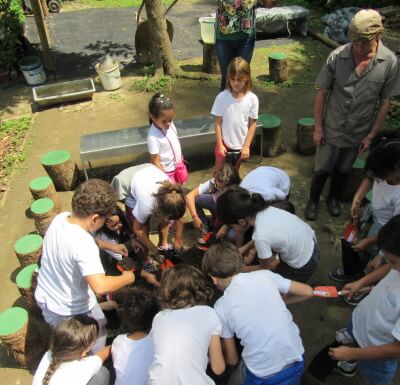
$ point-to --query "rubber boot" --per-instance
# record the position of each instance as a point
(336, 187)
(316, 187)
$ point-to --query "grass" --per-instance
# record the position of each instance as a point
(148, 84)
(12, 140)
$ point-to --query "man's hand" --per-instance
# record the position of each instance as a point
(318, 137)
(365, 143)
(342, 353)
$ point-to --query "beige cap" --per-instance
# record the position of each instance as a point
(366, 24)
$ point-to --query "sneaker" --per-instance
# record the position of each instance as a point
(343, 337)
(205, 239)
(346, 368)
(340, 276)
(171, 253)
(356, 298)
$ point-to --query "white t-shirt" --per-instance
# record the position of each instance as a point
(385, 201)
(286, 234)
(132, 359)
(210, 187)
(376, 320)
(158, 143)
(78, 372)
(106, 238)
(252, 309)
(145, 183)
(235, 116)
(181, 340)
(271, 182)
(69, 255)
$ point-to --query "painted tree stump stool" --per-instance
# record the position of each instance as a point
(354, 180)
(210, 59)
(43, 211)
(21, 337)
(305, 141)
(278, 67)
(272, 145)
(26, 282)
(61, 169)
(29, 249)
(43, 187)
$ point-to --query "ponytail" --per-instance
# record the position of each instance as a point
(54, 364)
(238, 203)
(170, 201)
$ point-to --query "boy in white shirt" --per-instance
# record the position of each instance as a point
(375, 323)
(133, 353)
(71, 273)
(253, 309)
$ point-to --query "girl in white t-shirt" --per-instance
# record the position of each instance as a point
(236, 112)
(186, 332)
(383, 178)
(67, 362)
(162, 139)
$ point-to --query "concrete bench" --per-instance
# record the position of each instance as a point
(192, 132)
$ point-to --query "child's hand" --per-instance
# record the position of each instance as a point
(355, 209)
(136, 245)
(221, 150)
(342, 353)
(351, 288)
(197, 223)
(245, 153)
(221, 233)
(150, 278)
(376, 262)
(249, 258)
(361, 245)
(120, 248)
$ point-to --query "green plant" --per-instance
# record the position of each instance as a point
(11, 29)
(149, 84)
(12, 136)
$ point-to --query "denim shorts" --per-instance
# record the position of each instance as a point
(376, 372)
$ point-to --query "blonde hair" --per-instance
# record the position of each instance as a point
(170, 201)
(71, 337)
(183, 286)
(239, 67)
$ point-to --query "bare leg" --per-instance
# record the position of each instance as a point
(163, 229)
(178, 242)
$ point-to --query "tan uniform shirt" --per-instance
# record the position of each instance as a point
(352, 101)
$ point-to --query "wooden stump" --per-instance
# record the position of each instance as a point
(210, 59)
(278, 68)
(26, 282)
(305, 142)
(61, 169)
(21, 336)
(43, 187)
(43, 211)
(272, 145)
(354, 180)
(29, 249)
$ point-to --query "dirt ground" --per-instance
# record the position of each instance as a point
(61, 128)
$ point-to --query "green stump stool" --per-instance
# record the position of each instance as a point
(21, 337)
(26, 282)
(305, 141)
(29, 249)
(61, 169)
(272, 145)
(43, 187)
(278, 67)
(354, 180)
(368, 196)
(43, 211)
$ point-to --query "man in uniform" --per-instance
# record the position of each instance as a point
(354, 90)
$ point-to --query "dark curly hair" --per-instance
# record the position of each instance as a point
(183, 286)
(140, 307)
(93, 197)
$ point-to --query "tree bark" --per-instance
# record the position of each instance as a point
(160, 43)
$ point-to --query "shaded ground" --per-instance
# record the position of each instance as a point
(61, 128)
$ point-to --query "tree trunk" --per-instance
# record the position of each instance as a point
(160, 43)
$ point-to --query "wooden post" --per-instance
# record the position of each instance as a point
(45, 8)
(43, 34)
(61, 169)
(272, 134)
(43, 211)
(305, 130)
(29, 249)
(26, 281)
(210, 59)
(43, 187)
(21, 336)
(354, 180)
(278, 69)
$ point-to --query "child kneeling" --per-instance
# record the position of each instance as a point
(253, 309)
